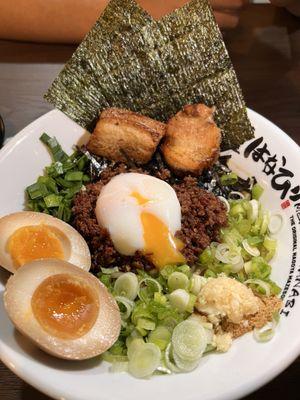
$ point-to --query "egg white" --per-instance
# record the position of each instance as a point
(75, 248)
(120, 213)
(17, 300)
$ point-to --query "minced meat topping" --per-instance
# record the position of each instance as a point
(203, 214)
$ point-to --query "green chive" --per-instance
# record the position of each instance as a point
(74, 176)
(37, 191)
(52, 200)
(55, 148)
(63, 183)
(81, 163)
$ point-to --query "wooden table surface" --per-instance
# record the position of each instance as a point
(265, 50)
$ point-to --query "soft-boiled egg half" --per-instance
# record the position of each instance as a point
(63, 309)
(142, 213)
(27, 236)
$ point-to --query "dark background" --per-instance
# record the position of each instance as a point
(265, 51)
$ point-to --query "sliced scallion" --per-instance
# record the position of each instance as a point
(253, 251)
(178, 280)
(127, 285)
(257, 191)
(144, 360)
(179, 299)
(189, 340)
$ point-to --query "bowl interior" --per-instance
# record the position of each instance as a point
(273, 158)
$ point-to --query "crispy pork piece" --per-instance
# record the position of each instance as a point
(123, 135)
(192, 141)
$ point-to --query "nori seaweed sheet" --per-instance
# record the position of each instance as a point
(132, 61)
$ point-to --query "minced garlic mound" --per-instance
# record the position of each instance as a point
(228, 298)
(223, 342)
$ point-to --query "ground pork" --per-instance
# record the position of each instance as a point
(203, 214)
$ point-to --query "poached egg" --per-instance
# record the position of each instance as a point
(142, 213)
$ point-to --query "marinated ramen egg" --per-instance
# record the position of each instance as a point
(63, 309)
(26, 236)
(142, 213)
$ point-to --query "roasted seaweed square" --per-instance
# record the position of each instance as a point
(130, 60)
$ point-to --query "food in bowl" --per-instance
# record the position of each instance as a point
(184, 253)
(63, 309)
(26, 236)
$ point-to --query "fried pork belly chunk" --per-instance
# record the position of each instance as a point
(122, 135)
(192, 141)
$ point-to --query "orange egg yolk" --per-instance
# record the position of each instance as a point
(34, 242)
(160, 245)
(65, 307)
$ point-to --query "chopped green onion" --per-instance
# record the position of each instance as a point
(119, 366)
(109, 271)
(191, 304)
(133, 346)
(55, 148)
(243, 226)
(178, 280)
(228, 254)
(237, 209)
(179, 299)
(229, 179)
(111, 358)
(127, 304)
(147, 324)
(253, 251)
(37, 191)
(275, 223)
(73, 176)
(189, 340)
(210, 274)
(225, 202)
(253, 212)
(52, 200)
(266, 333)
(248, 267)
(261, 284)
(53, 192)
(82, 162)
(264, 223)
(254, 240)
(106, 280)
(197, 282)
(160, 298)
(160, 336)
(147, 288)
(259, 268)
(257, 191)
(185, 269)
(144, 360)
(127, 285)
(231, 236)
(185, 365)
(234, 194)
(270, 244)
(168, 359)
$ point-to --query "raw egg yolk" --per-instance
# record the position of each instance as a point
(65, 306)
(160, 245)
(33, 242)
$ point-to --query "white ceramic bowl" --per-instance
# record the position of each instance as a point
(248, 365)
